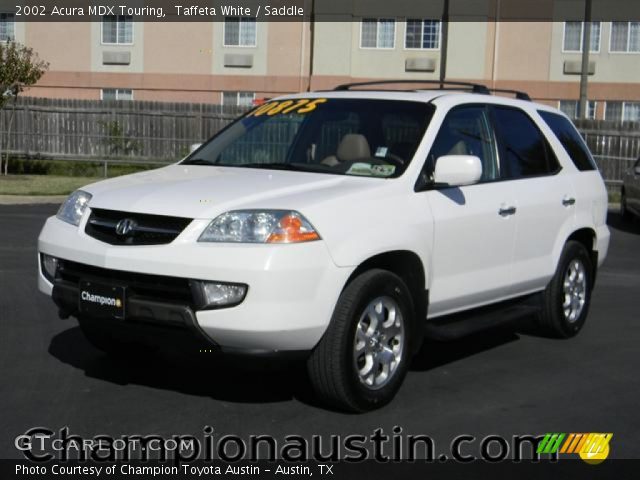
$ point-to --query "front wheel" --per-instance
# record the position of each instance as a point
(363, 356)
(567, 298)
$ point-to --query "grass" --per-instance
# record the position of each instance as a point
(614, 197)
(42, 184)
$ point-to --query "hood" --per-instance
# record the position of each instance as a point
(195, 191)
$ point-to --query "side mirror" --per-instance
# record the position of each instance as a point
(637, 170)
(457, 170)
(194, 147)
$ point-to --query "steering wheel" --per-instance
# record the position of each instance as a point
(395, 159)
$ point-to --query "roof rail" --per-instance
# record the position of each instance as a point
(519, 95)
(474, 87)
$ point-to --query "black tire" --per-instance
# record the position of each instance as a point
(624, 211)
(331, 366)
(552, 319)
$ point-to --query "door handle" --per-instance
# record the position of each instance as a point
(507, 211)
(568, 201)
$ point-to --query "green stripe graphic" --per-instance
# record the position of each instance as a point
(551, 443)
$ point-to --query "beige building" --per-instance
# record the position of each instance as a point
(239, 59)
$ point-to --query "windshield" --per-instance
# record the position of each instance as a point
(363, 137)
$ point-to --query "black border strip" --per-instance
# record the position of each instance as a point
(337, 10)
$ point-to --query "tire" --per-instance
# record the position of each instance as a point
(565, 307)
(624, 211)
(358, 339)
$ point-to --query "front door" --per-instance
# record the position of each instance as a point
(474, 226)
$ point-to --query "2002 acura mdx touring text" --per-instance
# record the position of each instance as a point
(345, 226)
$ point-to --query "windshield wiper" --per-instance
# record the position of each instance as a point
(198, 161)
(268, 166)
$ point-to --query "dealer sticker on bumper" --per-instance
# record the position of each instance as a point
(101, 300)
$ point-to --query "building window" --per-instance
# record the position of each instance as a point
(238, 99)
(240, 32)
(571, 108)
(622, 111)
(117, 94)
(7, 27)
(573, 36)
(117, 29)
(422, 34)
(625, 37)
(378, 33)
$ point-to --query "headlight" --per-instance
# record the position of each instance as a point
(260, 226)
(73, 208)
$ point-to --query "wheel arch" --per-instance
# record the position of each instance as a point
(410, 268)
(588, 238)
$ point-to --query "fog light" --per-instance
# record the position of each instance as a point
(216, 294)
(49, 267)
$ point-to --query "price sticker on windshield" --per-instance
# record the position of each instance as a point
(300, 106)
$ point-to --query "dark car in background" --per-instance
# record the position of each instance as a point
(630, 198)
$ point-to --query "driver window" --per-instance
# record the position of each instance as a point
(466, 131)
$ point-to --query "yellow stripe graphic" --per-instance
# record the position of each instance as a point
(595, 446)
(586, 439)
(600, 442)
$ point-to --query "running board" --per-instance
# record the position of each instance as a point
(453, 327)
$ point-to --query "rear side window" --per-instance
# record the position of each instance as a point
(570, 140)
(525, 151)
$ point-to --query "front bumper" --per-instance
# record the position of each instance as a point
(292, 288)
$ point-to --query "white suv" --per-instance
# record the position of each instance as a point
(343, 226)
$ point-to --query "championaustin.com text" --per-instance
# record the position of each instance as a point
(44, 445)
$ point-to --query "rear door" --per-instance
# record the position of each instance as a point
(474, 227)
(545, 197)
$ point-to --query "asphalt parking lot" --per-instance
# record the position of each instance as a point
(500, 382)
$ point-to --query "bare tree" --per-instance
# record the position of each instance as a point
(20, 67)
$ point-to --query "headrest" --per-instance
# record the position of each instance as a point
(353, 147)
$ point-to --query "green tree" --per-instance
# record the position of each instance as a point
(117, 141)
(20, 67)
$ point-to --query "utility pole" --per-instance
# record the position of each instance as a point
(312, 41)
(445, 43)
(586, 50)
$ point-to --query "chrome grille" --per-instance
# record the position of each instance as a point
(127, 228)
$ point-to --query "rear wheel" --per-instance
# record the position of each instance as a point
(567, 298)
(363, 357)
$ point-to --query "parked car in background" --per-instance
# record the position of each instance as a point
(630, 196)
(342, 226)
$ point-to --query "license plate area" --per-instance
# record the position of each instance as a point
(101, 300)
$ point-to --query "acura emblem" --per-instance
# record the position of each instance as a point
(126, 226)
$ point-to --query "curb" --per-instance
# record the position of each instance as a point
(31, 199)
